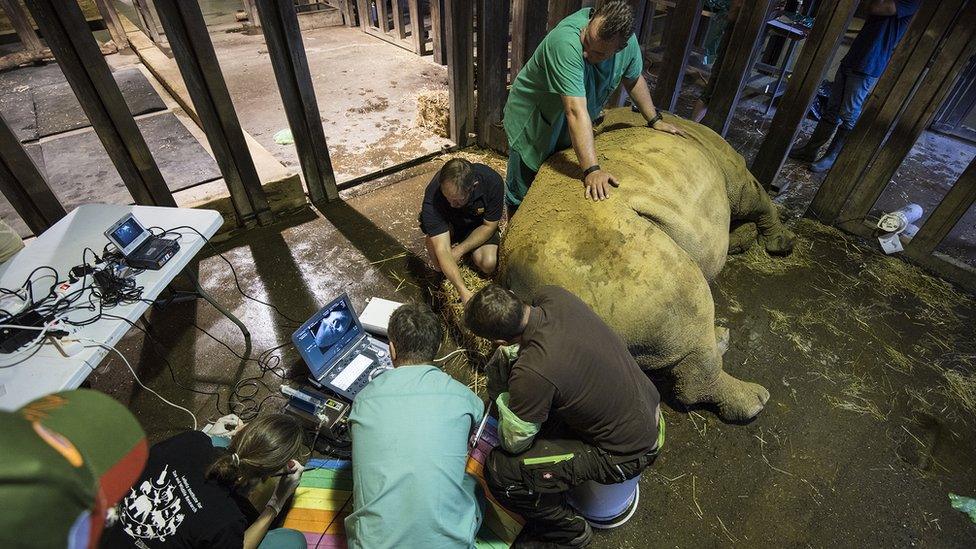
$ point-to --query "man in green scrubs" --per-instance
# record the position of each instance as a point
(564, 86)
(410, 429)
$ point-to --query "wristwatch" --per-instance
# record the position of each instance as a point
(657, 116)
(591, 169)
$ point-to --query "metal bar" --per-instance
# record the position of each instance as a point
(216, 304)
(284, 40)
(459, 24)
(197, 61)
(680, 38)
(24, 186)
(744, 42)
(63, 26)
(884, 106)
(22, 25)
(493, 20)
(113, 23)
(811, 67)
(947, 214)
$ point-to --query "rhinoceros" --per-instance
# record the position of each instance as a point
(643, 259)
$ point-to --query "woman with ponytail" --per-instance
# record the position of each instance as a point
(201, 491)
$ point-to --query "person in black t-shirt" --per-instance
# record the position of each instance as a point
(462, 207)
(194, 494)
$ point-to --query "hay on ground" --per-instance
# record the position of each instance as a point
(448, 302)
(434, 112)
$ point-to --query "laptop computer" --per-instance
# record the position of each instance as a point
(339, 353)
(140, 248)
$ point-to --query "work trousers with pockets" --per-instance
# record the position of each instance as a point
(534, 482)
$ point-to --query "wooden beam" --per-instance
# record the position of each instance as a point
(884, 106)
(744, 42)
(459, 24)
(437, 31)
(22, 25)
(113, 23)
(66, 32)
(529, 18)
(560, 9)
(253, 25)
(947, 214)
(146, 9)
(23, 185)
(493, 20)
(383, 15)
(287, 51)
(418, 30)
(677, 48)
(811, 67)
(365, 17)
(348, 8)
(399, 25)
(197, 61)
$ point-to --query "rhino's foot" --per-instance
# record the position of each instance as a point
(742, 238)
(779, 241)
(738, 400)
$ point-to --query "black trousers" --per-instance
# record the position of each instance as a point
(534, 482)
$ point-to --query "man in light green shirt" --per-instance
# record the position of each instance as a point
(564, 86)
(410, 431)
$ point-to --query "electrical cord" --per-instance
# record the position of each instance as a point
(136, 377)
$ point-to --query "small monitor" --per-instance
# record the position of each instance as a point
(322, 339)
(127, 234)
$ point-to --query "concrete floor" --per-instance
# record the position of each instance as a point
(865, 434)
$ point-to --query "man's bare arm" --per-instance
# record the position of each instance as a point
(441, 245)
(641, 94)
(477, 237)
(597, 183)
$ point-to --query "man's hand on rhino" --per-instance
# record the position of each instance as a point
(598, 185)
(667, 127)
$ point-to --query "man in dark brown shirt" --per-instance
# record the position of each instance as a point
(576, 407)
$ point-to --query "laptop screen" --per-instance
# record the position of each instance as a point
(322, 339)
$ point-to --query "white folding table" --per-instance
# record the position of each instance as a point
(61, 247)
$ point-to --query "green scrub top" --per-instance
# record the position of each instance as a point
(410, 429)
(535, 121)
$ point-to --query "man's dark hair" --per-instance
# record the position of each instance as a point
(416, 333)
(618, 20)
(494, 313)
(459, 172)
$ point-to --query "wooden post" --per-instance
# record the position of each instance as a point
(459, 24)
(437, 31)
(145, 8)
(383, 15)
(883, 107)
(677, 48)
(560, 9)
(22, 25)
(418, 30)
(811, 66)
(67, 34)
(365, 17)
(113, 23)
(349, 13)
(197, 61)
(284, 40)
(529, 18)
(744, 42)
(493, 20)
(253, 25)
(940, 223)
(399, 25)
(24, 186)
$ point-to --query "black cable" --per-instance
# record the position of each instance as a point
(331, 522)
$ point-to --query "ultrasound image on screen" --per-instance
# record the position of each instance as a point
(127, 232)
(328, 331)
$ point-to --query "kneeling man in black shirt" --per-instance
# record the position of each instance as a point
(462, 207)
(573, 407)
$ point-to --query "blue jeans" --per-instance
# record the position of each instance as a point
(847, 95)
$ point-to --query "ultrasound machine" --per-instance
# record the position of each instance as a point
(342, 359)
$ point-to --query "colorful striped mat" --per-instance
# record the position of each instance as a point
(324, 498)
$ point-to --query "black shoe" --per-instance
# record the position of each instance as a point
(531, 538)
(821, 135)
(827, 160)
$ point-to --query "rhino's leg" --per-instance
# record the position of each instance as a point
(749, 202)
(699, 379)
(742, 237)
